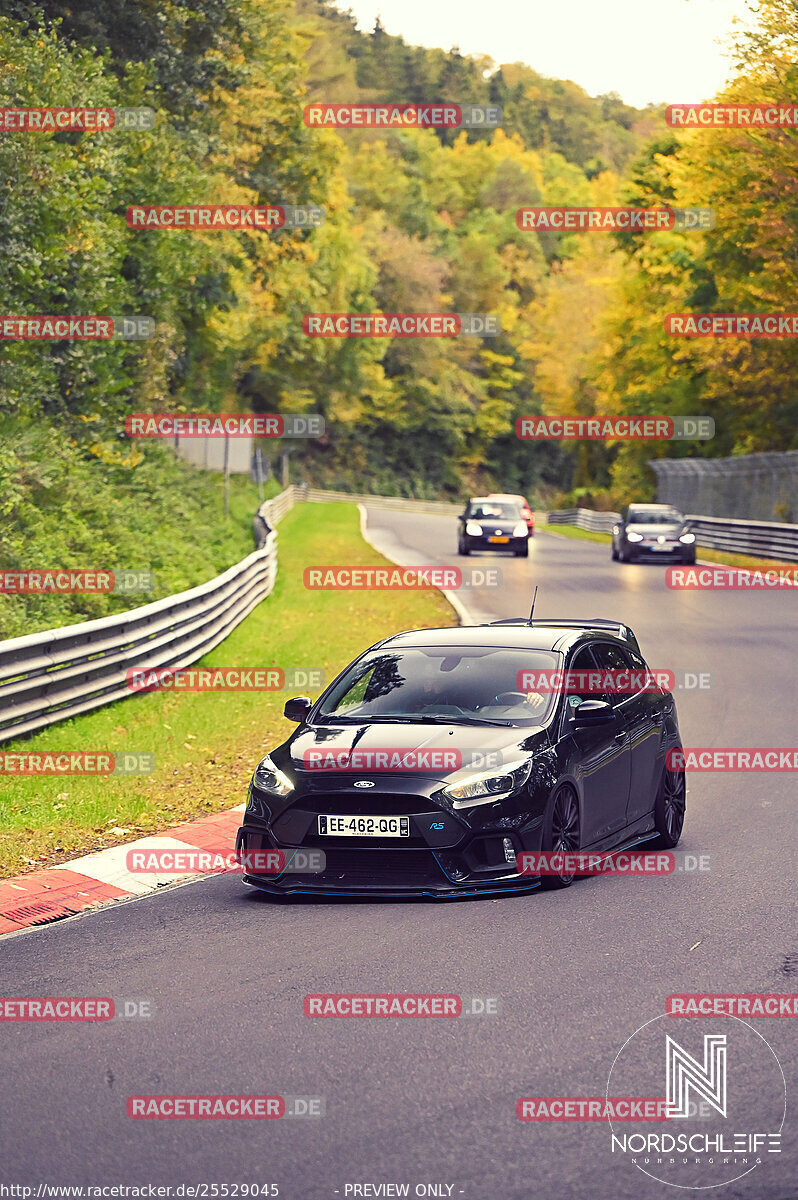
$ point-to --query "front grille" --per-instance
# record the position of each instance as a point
(368, 802)
(380, 866)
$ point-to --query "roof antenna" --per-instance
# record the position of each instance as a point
(532, 609)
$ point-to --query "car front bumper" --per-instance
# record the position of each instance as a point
(484, 543)
(475, 867)
(678, 551)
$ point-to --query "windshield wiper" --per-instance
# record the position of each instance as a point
(416, 719)
(466, 720)
(366, 718)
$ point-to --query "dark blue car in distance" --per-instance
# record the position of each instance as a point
(431, 762)
(489, 524)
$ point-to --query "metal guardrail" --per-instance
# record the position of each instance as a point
(584, 518)
(762, 539)
(60, 673)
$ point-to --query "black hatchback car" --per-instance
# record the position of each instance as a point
(488, 524)
(438, 756)
(655, 530)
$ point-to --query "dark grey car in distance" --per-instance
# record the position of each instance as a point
(652, 531)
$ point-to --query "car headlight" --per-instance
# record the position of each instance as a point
(520, 529)
(490, 785)
(269, 778)
(473, 529)
(687, 538)
(634, 537)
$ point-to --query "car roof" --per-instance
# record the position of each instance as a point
(517, 634)
(495, 496)
(655, 507)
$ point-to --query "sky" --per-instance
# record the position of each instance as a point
(649, 51)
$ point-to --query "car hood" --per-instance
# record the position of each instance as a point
(649, 531)
(493, 525)
(436, 751)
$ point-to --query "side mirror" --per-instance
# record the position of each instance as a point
(297, 708)
(593, 712)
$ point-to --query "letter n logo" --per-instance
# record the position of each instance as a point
(707, 1080)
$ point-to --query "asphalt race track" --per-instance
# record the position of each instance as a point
(433, 1101)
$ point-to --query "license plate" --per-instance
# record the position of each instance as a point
(661, 549)
(497, 539)
(365, 826)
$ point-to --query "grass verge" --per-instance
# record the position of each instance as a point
(207, 743)
(62, 508)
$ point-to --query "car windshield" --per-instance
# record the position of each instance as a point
(661, 516)
(482, 684)
(500, 510)
(519, 500)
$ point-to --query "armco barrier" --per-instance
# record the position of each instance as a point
(584, 518)
(60, 673)
(762, 539)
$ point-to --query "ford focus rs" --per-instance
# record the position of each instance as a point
(438, 756)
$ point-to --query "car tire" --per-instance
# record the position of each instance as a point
(669, 807)
(614, 553)
(689, 559)
(462, 548)
(623, 556)
(561, 830)
(522, 553)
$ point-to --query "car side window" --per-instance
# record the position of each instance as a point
(641, 671)
(614, 659)
(582, 663)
